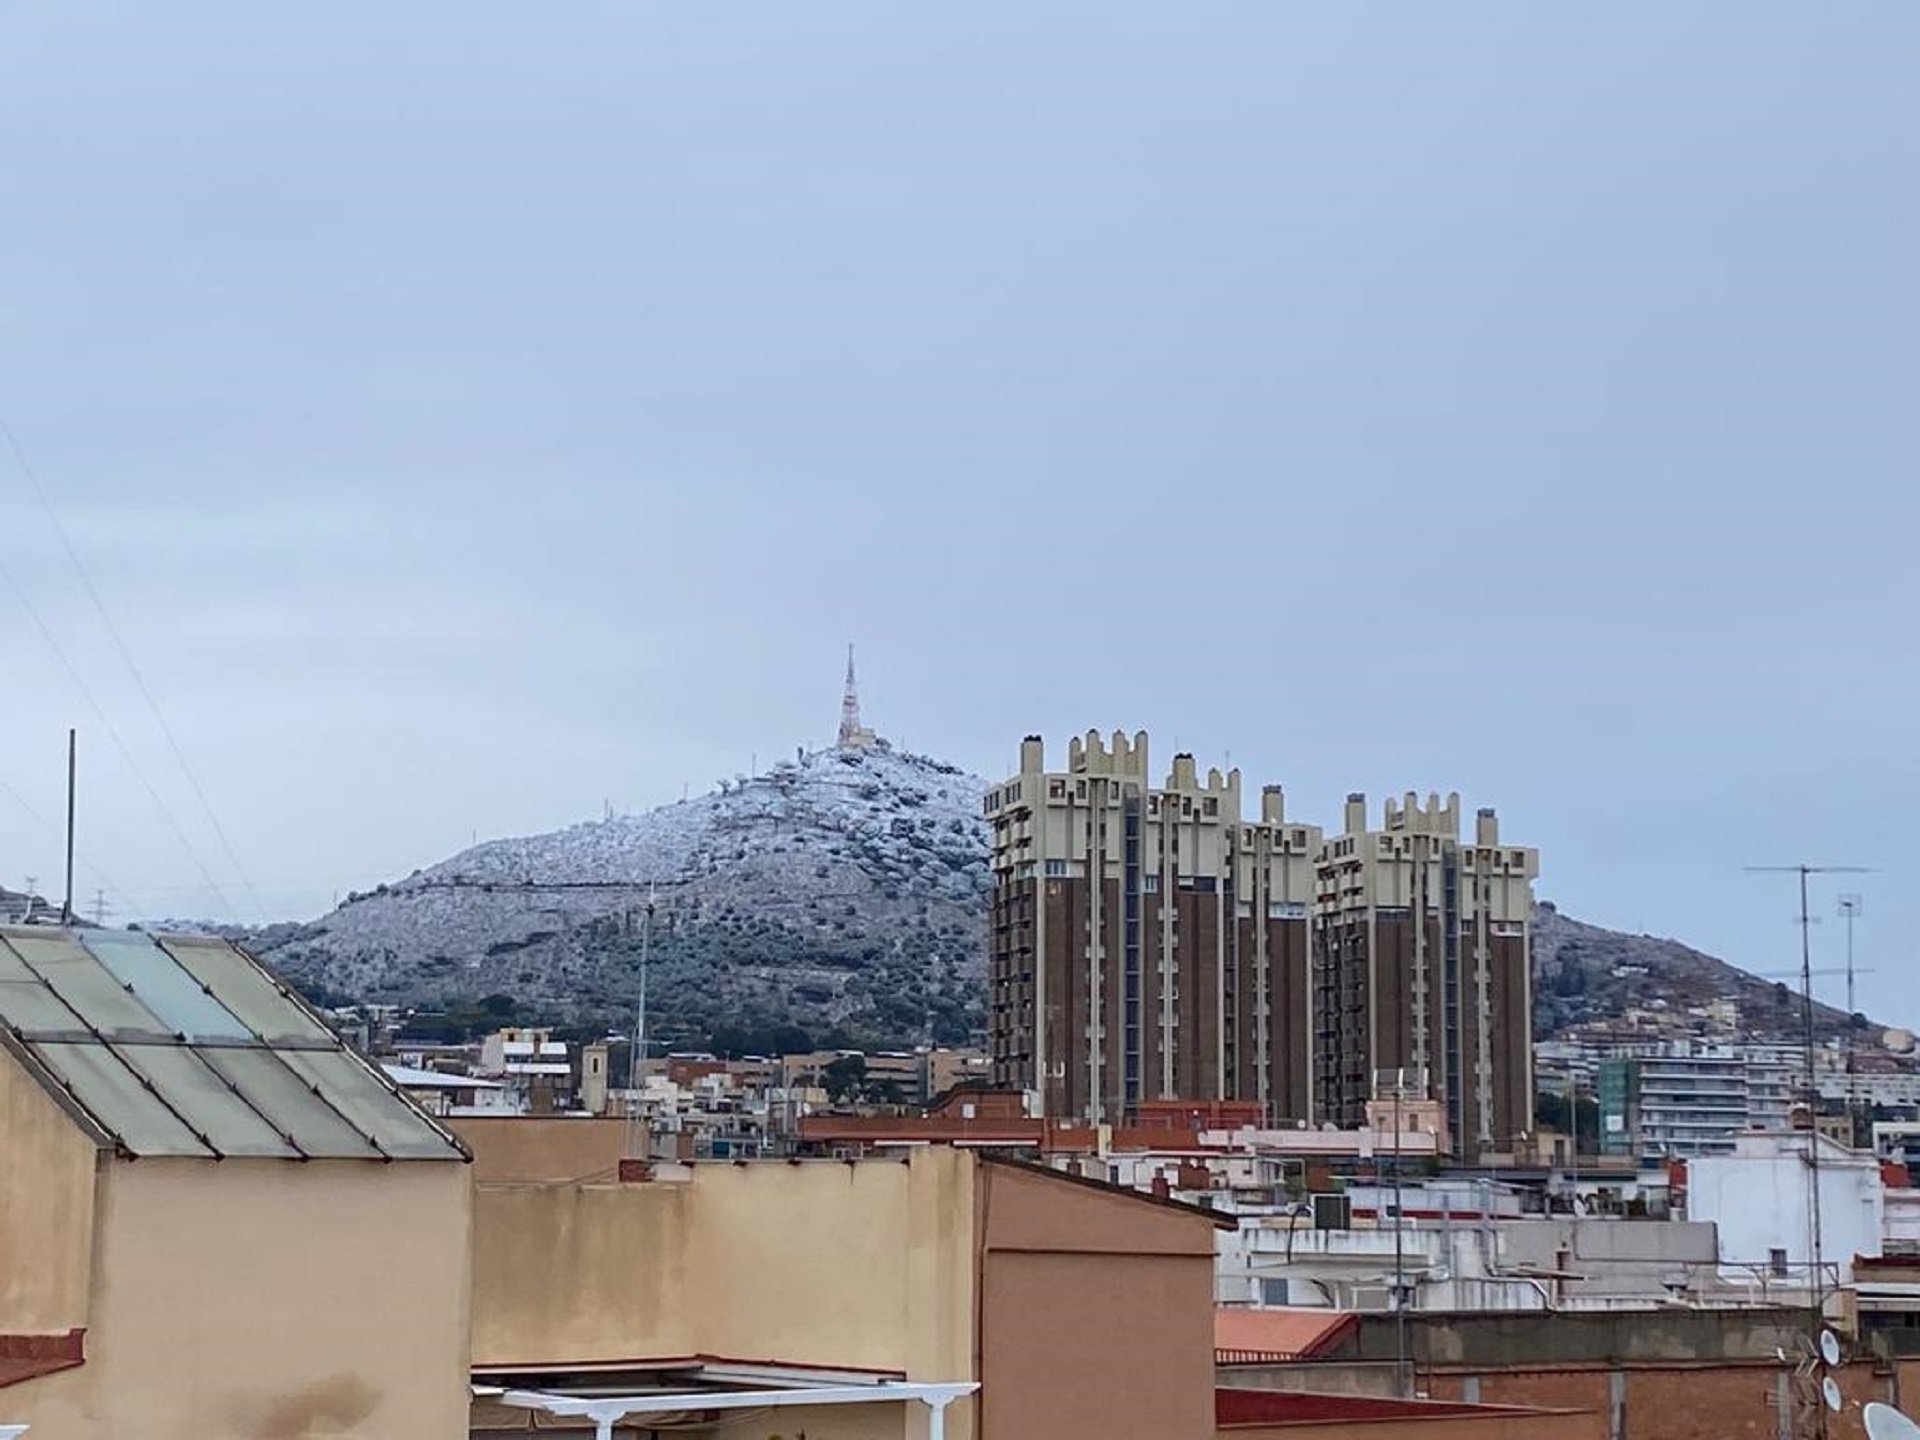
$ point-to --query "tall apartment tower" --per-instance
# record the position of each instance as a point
(1422, 964)
(1147, 943)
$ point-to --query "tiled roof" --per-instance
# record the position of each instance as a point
(1243, 1336)
(183, 1045)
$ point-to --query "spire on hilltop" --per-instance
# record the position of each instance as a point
(853, 736)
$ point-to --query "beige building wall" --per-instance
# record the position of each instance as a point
(215, 1284)
(46, 1214)
(1094, 1307)
(580, 1272)
(867, 1265)
(512, 1148)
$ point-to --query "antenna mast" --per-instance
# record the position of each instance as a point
(636, 1059)
(1850, 907)
(66, 903)
(1814, 1246)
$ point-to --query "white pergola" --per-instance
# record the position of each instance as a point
(606, 1411)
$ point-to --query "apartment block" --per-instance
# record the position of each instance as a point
(1688, 1098)
(1422, 969)
(1147, 942)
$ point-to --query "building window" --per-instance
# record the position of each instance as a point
(1150, 884)
(1056, 869)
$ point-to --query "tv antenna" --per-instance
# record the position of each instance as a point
(1850, 908)
(1817, 1260)
(637, 1051)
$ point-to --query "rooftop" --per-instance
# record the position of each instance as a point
(1265, 1336)
(412, 1077)
(183, 1045)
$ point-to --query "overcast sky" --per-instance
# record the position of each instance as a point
(470, 414)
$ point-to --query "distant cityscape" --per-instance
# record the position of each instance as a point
(1256, 1107)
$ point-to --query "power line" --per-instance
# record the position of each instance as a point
(113, 733)
(52, 829)
(126, 655)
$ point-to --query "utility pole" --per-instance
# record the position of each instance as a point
(1402, 1375)
(66, 903)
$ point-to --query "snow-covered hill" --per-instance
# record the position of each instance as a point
(843, 889)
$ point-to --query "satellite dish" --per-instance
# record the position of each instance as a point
(1886, 1423)
(1829, 1347)
(1830, 1392)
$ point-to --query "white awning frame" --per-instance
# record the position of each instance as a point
(606, 1411)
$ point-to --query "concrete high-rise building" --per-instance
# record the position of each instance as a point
(1422, 967)
(1147, 942)
(1152, 943)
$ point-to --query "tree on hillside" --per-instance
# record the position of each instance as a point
(845, 1076)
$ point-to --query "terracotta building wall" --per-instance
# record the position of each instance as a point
(1096, 1312)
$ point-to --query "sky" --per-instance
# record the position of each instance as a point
(462, 417)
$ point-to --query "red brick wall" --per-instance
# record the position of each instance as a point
(1729, 1402)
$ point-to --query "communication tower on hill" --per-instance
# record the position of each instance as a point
(853, 735)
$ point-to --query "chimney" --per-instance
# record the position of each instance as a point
(1273, 805)
(1356, 813)
(1486, 827)
(1033, 755)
